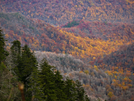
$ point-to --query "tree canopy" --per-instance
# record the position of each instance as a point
(41, 84)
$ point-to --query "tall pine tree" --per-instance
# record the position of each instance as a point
(25, 62)
(47, 79)
(3, 52)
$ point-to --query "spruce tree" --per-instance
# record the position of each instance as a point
(3, 52)
(60, 86)
(15, 53)
(24, 59)
(36, 86)
(80, 91)
(48, 82)
(25, 62)
(70, 90)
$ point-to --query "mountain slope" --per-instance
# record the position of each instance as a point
(98, 84)
(122, 58)
(102, 30)
(59, 12)
(42, 36)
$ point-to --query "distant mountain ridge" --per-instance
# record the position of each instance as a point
(58, 12)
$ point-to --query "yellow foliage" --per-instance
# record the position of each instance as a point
(124, 87)
(95, 48)
(130, 85)
(119, 85)
(125, 79)
(96, 68)
(86, 71)
(115, 77)
(110, 94)
(114, 80)
(94, 58)
(109, 73)
(123, 83)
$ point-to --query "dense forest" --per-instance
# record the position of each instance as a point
(19, 68)
(109, 82)
(59, 12)
(87, 40)
(102, 62)
(72, 50)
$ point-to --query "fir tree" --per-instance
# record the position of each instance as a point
(60, 86)
(80, 91)
(15, 53)
(3, 52)
(70, 90)
(48, 82)
(25, 62)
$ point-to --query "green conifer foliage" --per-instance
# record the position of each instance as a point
(80, 91)
(3, 52)
(15, 53)
(48, 81)
(60, 86)
(70, 90)
(55, 89)
(25, 62)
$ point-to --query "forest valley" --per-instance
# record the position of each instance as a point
(67, 50)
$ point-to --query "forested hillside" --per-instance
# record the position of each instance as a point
(122, 58)
(44, 37)
(62, 41)
(59, 12)
(109, 83)
(19, 71)
(100, 30)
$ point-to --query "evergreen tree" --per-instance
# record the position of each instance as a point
(55, 89)
(15, 53)
(60, 86)
(25, 62)
(80, 91)
(47, 79)
(36, 86)
(3, 52)
(70, 90)
(52, 84)
(15, 49)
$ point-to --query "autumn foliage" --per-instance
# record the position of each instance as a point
(60, 12)
(99, 32)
